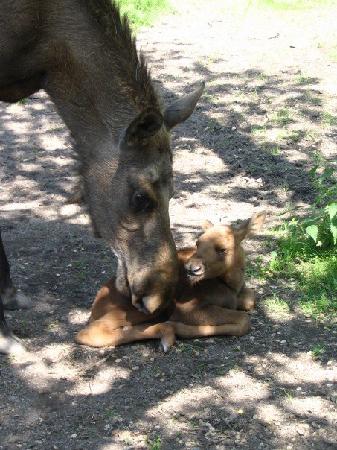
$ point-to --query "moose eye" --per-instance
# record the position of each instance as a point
(220, 251)
(141, 202)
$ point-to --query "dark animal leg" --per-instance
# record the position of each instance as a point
(8, 343)
(11, 299)
(20, 89)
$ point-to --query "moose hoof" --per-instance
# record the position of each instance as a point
(9, 345)
(13, 299)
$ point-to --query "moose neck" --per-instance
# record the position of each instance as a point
(96, 78)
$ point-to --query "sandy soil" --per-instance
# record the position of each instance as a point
(264, 116)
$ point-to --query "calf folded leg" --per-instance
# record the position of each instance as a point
(212, 321)
(246, 299)
(100, 334)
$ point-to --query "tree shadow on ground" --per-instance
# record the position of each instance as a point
(198, 393)
(196, 396)
(238, 115)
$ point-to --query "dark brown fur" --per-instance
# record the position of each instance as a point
(83, 54)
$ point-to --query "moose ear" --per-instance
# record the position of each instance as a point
(181, 109)
(250, 226)
(206, 225)
(145, 125)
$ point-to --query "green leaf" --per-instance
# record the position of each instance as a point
(333, 229)
(331, 210)
(312, 231)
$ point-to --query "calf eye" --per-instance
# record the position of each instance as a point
(141, 202)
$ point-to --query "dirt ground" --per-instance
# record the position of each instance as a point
(267, 110)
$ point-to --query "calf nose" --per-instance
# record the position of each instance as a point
(195, 268)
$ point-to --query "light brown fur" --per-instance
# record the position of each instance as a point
(209, 293)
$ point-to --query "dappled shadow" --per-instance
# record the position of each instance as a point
(235, 393)
(235, 109)
(206, 391)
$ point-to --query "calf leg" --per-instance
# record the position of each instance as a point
(246, 299)
(100, 334)
(212, 321)
(10, 297)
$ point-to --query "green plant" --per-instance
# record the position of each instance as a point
(282, 117)
(306, 250)
(317, 351)
(143, 12)
(293, 5)
(329, 119)
(154, 444)
(276, 305)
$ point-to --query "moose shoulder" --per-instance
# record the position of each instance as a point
(82, 53)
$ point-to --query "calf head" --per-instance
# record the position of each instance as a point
(219, 252)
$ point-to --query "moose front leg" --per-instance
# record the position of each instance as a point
(8, 343)
(11, 299)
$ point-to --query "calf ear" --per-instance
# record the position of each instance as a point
(250, 226)
(256, 222)
(181, 109)
(144, 126)
(206, 225)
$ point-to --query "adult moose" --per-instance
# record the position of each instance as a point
(82, 53)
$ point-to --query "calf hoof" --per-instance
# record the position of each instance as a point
(247, 300)
(12, 299)
(9, 345)
(168, 337)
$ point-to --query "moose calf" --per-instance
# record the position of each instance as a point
(211, 296)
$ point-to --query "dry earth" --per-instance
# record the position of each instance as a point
(268, 109)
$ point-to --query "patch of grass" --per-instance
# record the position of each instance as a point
(258, 130)
(282, 117)
(311, 99)
(271, 149)
(144, 12)
(287, 394)
(276, 305)
(312, 268)
(305, 79)
(154, 444)
(23, 101)
(275, 150)
(317, 351)
(329, 119)
(294, 136)
(292, 5)
(306, 251)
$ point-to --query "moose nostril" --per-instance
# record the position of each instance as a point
(195, 269)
